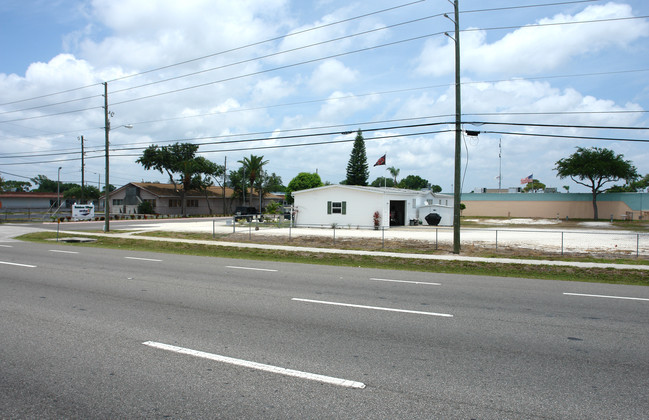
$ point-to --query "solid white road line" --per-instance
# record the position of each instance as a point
(250, 268)
(407, 281)
(607, 297)
(63, 252)
(378, 308)
(259, 366)
(6, 246)
(18, 265)
(142, 259)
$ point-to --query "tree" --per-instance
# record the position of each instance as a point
(435, 188)
(534, 186)
(383, 182)
(18, 186)
(594, 167)
(394, 172)
(253, 167)
(357, 170)
(211, 172)
(178, 159)
(638, 185)
(303, 181)
(90, 192)
(413, 182)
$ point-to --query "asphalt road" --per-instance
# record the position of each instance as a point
(86, 333)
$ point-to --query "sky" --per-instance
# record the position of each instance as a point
(293, 81)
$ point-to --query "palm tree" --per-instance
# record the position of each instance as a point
(253, 167)
(394, 172)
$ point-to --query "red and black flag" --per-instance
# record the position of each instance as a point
(381, 161)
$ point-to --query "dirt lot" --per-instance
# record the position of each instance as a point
(480, 237)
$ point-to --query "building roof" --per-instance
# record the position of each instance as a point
(28, 194)
(168, 190)
(375, 190)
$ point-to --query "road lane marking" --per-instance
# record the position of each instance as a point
(258, 366)
(606, 297)
(17, 265)
(378, 308)
(407, 281)
(6, 246)
(250, 268)
(142, 259)
(64, 252)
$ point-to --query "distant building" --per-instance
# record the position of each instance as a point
(165, 200)
(557, 205)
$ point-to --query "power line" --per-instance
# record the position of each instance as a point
(567, 137)
(495, 9)
(383, 28)
(220, 53)
(389, 44)
(270, 40)
(538, 25)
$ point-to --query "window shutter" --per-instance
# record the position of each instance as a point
(344, 207)
(328, 207)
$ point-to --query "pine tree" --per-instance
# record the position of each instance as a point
(357, 169)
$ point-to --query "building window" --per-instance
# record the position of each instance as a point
(192, 203)
(151, 201)
(336, 207)
(174, 203)
(118, 201)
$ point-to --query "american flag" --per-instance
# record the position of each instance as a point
(527, 179)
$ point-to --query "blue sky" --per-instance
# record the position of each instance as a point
(513, 71)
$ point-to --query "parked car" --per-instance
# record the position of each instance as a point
(245, 212)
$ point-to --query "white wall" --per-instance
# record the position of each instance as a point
(361, 204)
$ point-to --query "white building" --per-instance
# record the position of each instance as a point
(351, 205)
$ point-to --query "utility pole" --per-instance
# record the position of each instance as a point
(500, 164)
(83, 183)
(225, 172)
(457, 184)
(107, 129)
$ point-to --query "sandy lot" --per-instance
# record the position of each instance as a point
(587, 237)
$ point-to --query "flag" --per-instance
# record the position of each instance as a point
(381, 161)
(528, 179)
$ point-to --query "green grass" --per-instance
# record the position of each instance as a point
(598, 275)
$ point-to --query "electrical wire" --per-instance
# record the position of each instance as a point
(221, 52)
(317, 44)
(496, 9)
(540, 25)
(567, 137)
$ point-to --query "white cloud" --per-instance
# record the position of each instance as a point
(533, 49)
(331, 75)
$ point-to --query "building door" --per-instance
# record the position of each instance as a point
(397, 213)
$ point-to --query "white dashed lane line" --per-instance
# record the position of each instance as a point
(258, 366)
(606, 297)
(17, 265)
(407, 281)
(376, 308)
(143, 259)
(251, 268)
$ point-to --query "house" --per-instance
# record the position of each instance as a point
(165, 200)
(351, 205)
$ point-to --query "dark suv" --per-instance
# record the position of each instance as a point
(245, 212)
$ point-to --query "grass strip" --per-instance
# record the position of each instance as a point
(595, 275)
